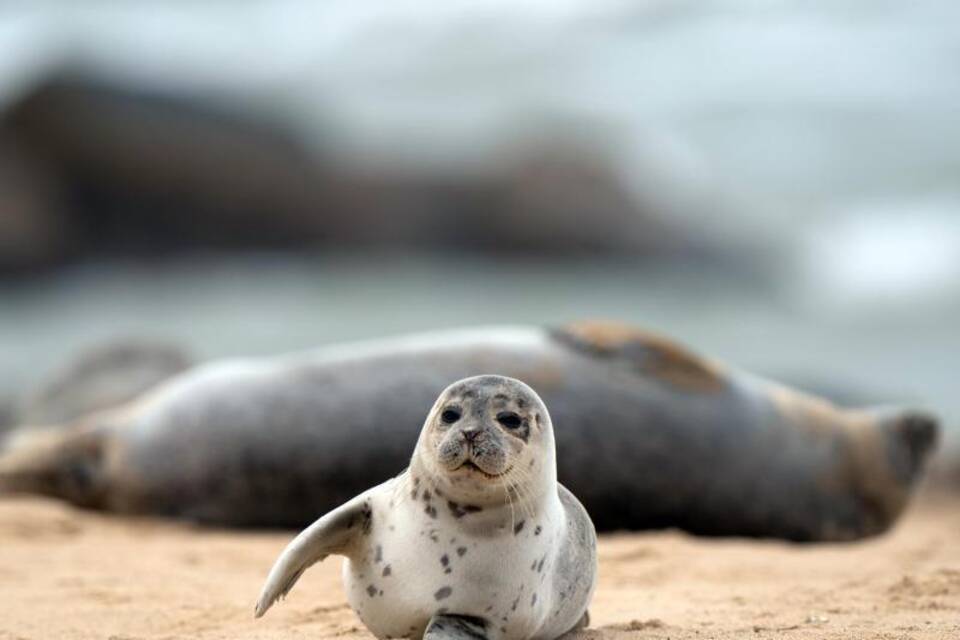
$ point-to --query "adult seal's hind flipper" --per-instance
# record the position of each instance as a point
(59, 463)
(722, 452)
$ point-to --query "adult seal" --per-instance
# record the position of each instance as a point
(475, 540)
(651, 436)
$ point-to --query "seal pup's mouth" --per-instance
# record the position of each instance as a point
(472, 467)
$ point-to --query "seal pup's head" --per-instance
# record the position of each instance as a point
(487, 439)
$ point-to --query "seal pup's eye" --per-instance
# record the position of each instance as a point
(509, 419)
(451, 415)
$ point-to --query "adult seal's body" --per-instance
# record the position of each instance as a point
(476, 539)
(651, 436)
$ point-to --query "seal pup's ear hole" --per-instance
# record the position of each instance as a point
(509, 419)
(450, 415)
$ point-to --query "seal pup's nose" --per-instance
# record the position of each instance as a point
(470, 433)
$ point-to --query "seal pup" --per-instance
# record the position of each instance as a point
(680, 440)
(476, 539)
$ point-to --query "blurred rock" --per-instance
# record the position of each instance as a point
(90, 169)
(149, 174)
(558, 198)
(33, 226)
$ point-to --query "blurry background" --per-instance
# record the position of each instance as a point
(775, 183)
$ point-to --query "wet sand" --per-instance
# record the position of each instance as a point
(70, 574)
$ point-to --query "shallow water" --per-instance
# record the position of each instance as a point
(220, 306)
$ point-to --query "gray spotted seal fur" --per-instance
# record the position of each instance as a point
(651, 436)
(476, 539)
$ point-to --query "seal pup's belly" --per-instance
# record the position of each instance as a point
(422, 568)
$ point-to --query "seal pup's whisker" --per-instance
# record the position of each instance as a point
(398, 484)
(519, 479)
(507, 491)
(516, 498)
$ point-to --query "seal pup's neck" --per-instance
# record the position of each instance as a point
(505, 509)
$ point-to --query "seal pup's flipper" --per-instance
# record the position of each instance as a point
(449, 627)
(333, 533)
(582, 624)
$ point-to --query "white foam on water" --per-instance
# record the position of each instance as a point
(885, 253)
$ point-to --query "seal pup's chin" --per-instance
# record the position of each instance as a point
(472, 468)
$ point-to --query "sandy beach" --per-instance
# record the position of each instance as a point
(70, 574)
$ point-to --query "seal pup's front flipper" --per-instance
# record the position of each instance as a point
(449, 627)
(333, 533)
(582, 624)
